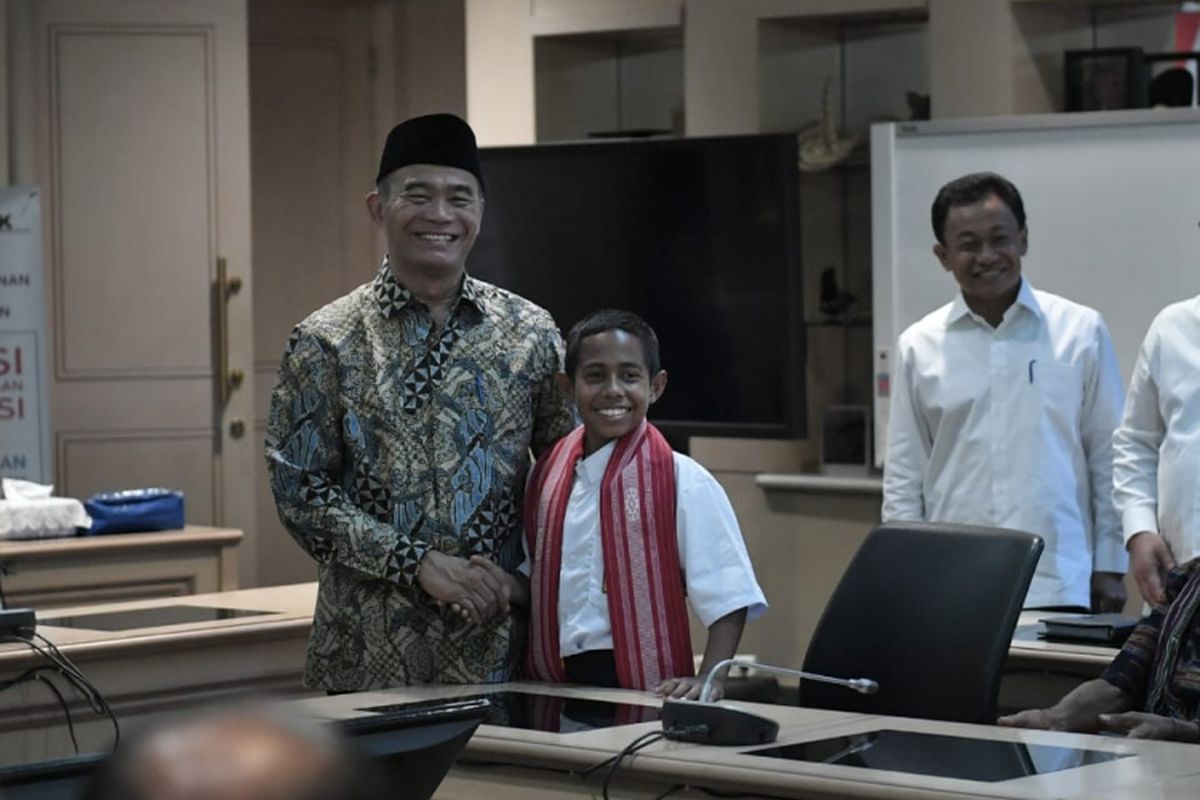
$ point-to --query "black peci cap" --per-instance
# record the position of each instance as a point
(442, 139)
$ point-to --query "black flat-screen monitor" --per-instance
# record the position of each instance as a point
(59, 779)
(137, 618)
(541, 712)
(699, 236)
(940, 755)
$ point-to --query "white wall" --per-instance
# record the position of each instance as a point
(720, 68)
(499, 70)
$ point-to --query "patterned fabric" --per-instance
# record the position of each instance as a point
(1151, 649)
(389, 437)
(645, 594)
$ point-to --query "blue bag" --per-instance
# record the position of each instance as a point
(135, 510)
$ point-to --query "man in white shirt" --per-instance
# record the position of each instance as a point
(1003, 406)
(1156, 460)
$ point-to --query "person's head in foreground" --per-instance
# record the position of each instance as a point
(251, 753)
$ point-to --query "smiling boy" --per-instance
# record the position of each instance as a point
(623, 534)
(1004, 403)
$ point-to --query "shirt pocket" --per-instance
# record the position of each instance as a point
(1059, 390)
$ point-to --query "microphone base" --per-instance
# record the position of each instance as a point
(715, 723)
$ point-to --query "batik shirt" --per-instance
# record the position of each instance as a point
(388, 437)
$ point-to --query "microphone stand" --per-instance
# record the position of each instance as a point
(722, 724)
(861, 685)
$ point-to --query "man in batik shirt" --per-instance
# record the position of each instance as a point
(400, 430)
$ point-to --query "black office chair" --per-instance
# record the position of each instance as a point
(413, 745)
(928, 611)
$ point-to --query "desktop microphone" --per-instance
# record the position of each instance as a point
(721, 724)
(860, 685)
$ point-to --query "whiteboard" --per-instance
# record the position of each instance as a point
(1112, 205)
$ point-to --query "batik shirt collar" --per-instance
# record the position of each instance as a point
(393, 297)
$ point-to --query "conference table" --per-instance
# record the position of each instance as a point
(169, 654)
(151, 657)
(1039, 671)
(548, 757)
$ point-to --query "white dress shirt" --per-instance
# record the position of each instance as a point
(1156, 458)
(717, 572)
(1012, 427)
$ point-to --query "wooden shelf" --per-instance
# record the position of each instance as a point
(572, 17)
(880, 9)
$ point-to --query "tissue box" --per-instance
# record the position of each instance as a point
(42, 518)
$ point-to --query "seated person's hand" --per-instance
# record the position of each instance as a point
(473, 592)
(1142, 725)
(689, 689)
(1039, 718)
(1080, 711)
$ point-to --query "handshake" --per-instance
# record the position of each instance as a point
(477, 589)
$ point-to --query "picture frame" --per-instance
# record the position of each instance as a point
(1105, 79)
(1171, 79)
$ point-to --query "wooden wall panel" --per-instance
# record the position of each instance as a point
(95, 462)
(313, 160)
(132, 134)
(295, 129)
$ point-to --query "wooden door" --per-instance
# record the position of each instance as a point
(143, 156)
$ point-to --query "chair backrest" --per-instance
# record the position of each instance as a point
(413, 745)
(928, 611)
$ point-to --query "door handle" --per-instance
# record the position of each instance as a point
(225, 288)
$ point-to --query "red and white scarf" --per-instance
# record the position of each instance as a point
(646, 604)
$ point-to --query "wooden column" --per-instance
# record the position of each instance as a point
(720, 68)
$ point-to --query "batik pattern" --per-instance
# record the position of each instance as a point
(388, 437)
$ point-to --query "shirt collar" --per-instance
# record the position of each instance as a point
(393, 297)
(592, 467)
(1025, 299)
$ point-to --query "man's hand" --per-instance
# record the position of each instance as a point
(689, 689)
(1149, 559)
(1039, 718)
(1078, 711)
(1108, 592)
(471, 591)
(1140, 725)
(515, 589)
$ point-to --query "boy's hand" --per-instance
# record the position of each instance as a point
(689, 689)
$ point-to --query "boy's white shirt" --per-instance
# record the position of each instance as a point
(717, 569)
